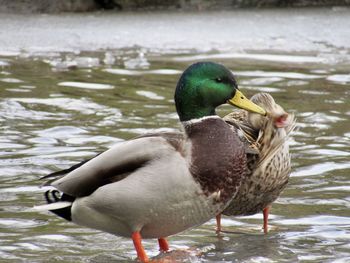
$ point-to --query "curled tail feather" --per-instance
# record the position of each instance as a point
(57, 203)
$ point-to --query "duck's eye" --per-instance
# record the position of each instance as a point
(218, 80)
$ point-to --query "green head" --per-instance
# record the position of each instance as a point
(204, 86)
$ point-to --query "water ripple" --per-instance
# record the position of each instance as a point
(260, 81)
(85, 85)
(320, 168)
(61, 132)
(281, 75)
(321, 153)
(11, 80)
(127, 72)
(11, 109)
(319, 117)
(317, 221)
(150, 95)
(262, 57)
(340, 78)
(19, 223)
(83, 105)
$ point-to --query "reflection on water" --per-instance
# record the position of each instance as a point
(56, 111)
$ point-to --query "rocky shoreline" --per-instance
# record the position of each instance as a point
(58, 6)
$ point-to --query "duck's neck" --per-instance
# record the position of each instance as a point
(217, 156)
(192, 113)
(193, 122)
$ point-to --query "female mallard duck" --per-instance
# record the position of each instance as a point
(268, 160)
(161, 184)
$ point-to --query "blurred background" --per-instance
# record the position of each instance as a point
(54, 6)
(77, 77)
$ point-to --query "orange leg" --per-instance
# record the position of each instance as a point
(218, 223)
(163, 244)
(266, 218)
(141, 254)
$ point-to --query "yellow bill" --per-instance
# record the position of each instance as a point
(240, 101)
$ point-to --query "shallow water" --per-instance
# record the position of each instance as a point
(58, 110)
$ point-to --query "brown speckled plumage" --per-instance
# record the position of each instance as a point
(269, 169)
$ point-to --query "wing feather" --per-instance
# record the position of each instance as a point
(120, 160)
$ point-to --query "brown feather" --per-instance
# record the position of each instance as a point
(267, 172)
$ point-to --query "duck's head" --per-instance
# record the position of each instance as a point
(204, 86)
(275, 112)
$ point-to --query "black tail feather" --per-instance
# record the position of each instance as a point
(54, 196)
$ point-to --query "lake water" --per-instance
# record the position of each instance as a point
(57, 109)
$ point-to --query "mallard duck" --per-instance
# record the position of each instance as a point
(268, 158)
(160, 184)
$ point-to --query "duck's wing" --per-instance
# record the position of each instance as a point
(116, 163)
(174, 138)
(53, 176)
(270, 142)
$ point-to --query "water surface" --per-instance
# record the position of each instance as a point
(57, 110)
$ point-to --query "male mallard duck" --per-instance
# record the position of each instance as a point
(161, 184)
(268, 160)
